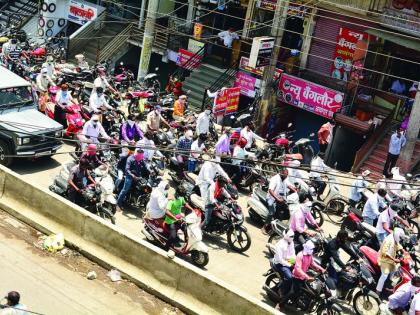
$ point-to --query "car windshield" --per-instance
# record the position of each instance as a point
(15, 96)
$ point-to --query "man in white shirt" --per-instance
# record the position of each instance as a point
(102, 82)
(385, 221)
(50, 66)
(158, 201)
(197, 147)
(147, 145)
(203, 122)
(250, 136)
(284, 258)
(396, 143)
(14, 307)
(98, 102)
(211, 198)
(215, 95)
(92, 130)
(415, 304)
(400, 299)
(358, 187)
(397, 182)
(227, 38)
(208, 172)
(371, 209)
(318, 169)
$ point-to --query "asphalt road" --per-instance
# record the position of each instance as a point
(244, 271)
(56, 283)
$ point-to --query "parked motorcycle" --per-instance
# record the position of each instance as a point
(192, 243)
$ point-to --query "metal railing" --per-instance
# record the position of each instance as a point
(113, 46)
(223, 80)
(15, 17)
(183, 71)
(160, 40)
(375, 138)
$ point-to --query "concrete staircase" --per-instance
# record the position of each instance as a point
(200, 80)
(376, 161)
(17, 12)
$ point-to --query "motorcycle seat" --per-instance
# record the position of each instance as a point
(371, 255)
(197, 201)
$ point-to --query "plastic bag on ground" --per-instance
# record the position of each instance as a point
(54, 242)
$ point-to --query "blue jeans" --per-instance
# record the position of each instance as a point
(287, 277)
(191, 165)
(368, 220)
(127, 185)
(208, 211)
(381, 237)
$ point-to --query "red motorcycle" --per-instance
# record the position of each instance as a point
(136, 101)
(74, 121)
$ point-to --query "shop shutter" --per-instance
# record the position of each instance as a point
(325, 33)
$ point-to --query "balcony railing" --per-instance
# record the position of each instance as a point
(361, 6)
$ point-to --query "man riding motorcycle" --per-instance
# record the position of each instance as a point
(157, 204)
(357, 189)
(130, 131)
(215, 191)
(78, 180)
(92, 131)
(91, 156)
(284, 258)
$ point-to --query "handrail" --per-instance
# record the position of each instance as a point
(21, 19)
(377, 136)
(115, 44)
(220, 82)
(189, 65)
(160, 36)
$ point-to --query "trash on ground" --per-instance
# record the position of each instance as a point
(114, 275)
(54, 242)
(92, 275)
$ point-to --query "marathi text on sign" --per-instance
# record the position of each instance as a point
(81, 13)
(227, 101)
(187, 59)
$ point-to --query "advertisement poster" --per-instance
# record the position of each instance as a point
(81, 13)
(261, 50)
(184, 57)
(243, 64)
(194, 45)
(198, 29)
(344, 53)
(403, 16)
(227, 102)
(248, 84)
(309, 96)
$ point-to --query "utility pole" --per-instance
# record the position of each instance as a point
(267, 96)
(411, 134)
(142, 9)
(149, 30)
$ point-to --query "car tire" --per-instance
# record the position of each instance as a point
(5, 153)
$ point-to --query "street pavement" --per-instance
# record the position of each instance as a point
(57, 284)
(244, 271)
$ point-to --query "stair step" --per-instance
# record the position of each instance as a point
(372, 166)
(377, 160)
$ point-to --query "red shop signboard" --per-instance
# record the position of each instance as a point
(227, 101)
(184, 56)
(344, 52)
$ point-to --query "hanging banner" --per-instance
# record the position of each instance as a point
(198, 30)
(194, 45)
(184, 61)
(81, 13)
(309, 96)
(261, 51)
(344, 52)
(248, 84)
(227, 102)
(243, 64)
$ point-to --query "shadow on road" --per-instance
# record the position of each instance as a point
(25, 166)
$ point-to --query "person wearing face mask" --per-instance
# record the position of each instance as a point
(183, 147)
(121, 164)
(215, 191)
(318, 169)
(396, 143)
(197, 147)
(134, 170)
(154, 118)
(43, 81)
(222, 146)
(50, 66)
(387, 256)
(102, 82)
(203, 122)
(92, 131)
(158, 201)
(250, 136)
(78, 179)
(81, 61)
(357, 189)
(62, 99)
(239, 154)
(91, 156)
(373, 204)
(304, 261)
(98, 102)
(284, 258)
(386, 220)
(276, 198)
(148, 146)
(399, 301)
(130, 131)
(300, 217)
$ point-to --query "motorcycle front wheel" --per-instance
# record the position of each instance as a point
(317, 214)
(106, 215)
(272, 284)
(326, 310)
(334, 210)
(366, 305)
(238, 239)
(199, 259)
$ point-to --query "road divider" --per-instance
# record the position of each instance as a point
(173, 280)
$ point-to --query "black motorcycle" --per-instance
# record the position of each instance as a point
(314, 296)
(140, 191)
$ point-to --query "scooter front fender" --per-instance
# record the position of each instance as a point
(199, 246)
(111, 199)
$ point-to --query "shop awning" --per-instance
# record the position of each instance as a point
(402, 40)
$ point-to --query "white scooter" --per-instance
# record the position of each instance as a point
(105, 181)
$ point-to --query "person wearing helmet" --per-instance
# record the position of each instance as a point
(174, 214)
(91, 156)
(300, 217)
(399, 301)
(78, 180)
(215, 192)
(183, 147)
(197, 147)
(386, 220)
(284, 258)
(43, 81)
(357, 189)
(98, 102)
(387, 256)
(101, 81)
(304, 261)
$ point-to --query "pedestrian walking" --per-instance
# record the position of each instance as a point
(396, 143)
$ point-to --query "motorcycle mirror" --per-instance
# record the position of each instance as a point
(289, 125)
(232, 117)
(189, 92)
(49, 39)
(251, 108)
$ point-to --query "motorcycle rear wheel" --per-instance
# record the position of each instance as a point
(334, 210)
(236, 241)
(199, 259)
(364, 306)
(317, 214)
(273, 283)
